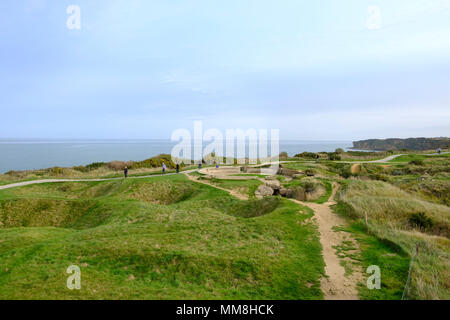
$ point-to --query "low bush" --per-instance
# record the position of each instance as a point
(309, 155)
(417, 162)
(421, 221)
(334, 156)
(155, 162)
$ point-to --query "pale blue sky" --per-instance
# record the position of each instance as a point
(143, 68)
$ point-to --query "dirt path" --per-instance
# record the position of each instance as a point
(26, 183)
(234, 193)
(337, 285)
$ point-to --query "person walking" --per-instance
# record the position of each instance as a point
(125, 172)
(439, 150)
(317, 157)
(164, 168)
(178, 168)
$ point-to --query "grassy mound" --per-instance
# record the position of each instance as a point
(132, 241)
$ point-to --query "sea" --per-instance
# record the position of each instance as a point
(29, 154)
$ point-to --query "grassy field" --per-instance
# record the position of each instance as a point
(246, 187)
(172, 238)
(154, 238)
(389, 210)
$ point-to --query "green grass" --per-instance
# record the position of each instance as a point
(329, 190)
(155, 238)
(408, 158)
(392, 260)
(388, 210)
(246, 187)
(249, 175)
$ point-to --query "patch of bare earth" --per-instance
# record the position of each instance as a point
(234, 193)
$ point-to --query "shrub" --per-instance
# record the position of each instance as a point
(310, 155)
(417, 162)
(420, 220)
(89, 167)
(56, 171)
(80, 168)
(155, 162)
(334, 156)
(283, 154)
(345, 172)
(119, 165)
(379, 177)
(95, 165)
(309, 186)
(339, 150)
(398, 172)
(310, 172)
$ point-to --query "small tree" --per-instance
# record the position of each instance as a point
(334, 156)
(420, 220)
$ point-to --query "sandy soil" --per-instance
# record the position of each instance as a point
(336, 285)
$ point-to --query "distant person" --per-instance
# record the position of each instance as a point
(200, 165)
(217, 166)
(125, 172)
(164, 168)
(178, 168)
(317, 157)
(439, 150)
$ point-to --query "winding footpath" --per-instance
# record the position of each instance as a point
(336, 285)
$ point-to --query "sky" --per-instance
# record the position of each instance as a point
(315, 70)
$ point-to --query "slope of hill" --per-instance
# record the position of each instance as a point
(154, 238)
(398, 144)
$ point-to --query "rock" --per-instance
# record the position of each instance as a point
(289, 172)
(273, 184)
(263, 191)
(286, 172)
(287, 193)
(270, 178)
(252, 170)
(297, 175)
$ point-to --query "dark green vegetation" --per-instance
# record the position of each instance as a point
(400, 144)
(155, 238)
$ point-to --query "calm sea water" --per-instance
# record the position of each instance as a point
(18, 154)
